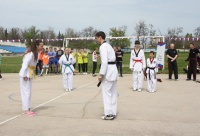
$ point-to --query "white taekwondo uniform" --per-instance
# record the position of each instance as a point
(27, 70)
(137, 64)
(151, 71)
(110, 75)
(66, 61)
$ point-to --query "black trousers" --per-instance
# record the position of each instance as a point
(94, 67)
(85, 67)
(172, 67)
(38, 66)
(192, 69)
(119, 66)
(74, 65)
(79, 67)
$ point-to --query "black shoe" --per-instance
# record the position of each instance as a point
(188, 79)
(194, 79)
(121, 76)
(108, 117)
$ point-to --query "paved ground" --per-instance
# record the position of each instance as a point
(174, 110)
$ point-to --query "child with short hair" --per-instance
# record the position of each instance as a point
(45, 60)
(151, 71)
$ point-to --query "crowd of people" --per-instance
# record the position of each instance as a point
(111, 59)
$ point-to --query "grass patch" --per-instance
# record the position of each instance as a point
(13, 64)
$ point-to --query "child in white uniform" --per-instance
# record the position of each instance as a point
(151, 71)
(26, 74)
(137, 65)
(66, 61)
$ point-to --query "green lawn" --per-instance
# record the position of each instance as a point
(13, 64)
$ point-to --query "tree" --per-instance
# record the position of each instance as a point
(174, 32)
(70, 33)
(142, 29)
(88, 32)
(119, 32)
(188, 35)
(14, 33)
(2, 33)
(30, 33)
(197, 32)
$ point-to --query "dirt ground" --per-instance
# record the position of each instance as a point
(174, 110)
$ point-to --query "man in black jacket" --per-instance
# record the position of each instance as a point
(172, 55)
(192, 65)
(119, 55)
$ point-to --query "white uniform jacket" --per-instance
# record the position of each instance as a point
(66, 61)
(137, 60)
(109, 71)
(152, 65)
(28, 65)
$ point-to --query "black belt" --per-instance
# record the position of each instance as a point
(111, 63)
(151, 68)
(150, 74)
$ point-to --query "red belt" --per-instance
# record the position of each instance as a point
(138, 61)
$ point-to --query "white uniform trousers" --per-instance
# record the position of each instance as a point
(109, 91)
(137, 80)
(67, 80)
(151, 82)
(26, 90)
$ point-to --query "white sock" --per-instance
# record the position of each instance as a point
(46, 71)
(42, 71)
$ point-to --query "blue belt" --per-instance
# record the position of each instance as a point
(68, 65)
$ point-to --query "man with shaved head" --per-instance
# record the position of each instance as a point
(172, 55)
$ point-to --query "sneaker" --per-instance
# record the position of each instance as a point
(86, 73)
(69, 90)
(134, 89)
(94, 75)
(108, 117)
(139, 90)
(66, 90)
(176, 79)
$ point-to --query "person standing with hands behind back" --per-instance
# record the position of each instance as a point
(26, 76)
(108, 76)
(172, 55)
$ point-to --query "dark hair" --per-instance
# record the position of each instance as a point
(192, 44)
(137, 42)
(101, 34)
(34, 48)
(151, 52)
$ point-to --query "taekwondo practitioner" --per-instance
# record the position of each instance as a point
(66, 61)
(151, 71)
(137, 65)
(193, 62)
(26, 76)
(108, 76)
(172, 56)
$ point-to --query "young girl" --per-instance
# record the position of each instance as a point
(151, 72)
(45, 60)
(66, 61)
(80, 61)
(26, 76)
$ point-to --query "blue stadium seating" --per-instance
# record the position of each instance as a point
(13, 49)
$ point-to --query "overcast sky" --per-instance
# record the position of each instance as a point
(101, 14)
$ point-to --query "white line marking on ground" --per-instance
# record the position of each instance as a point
(1, 123)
